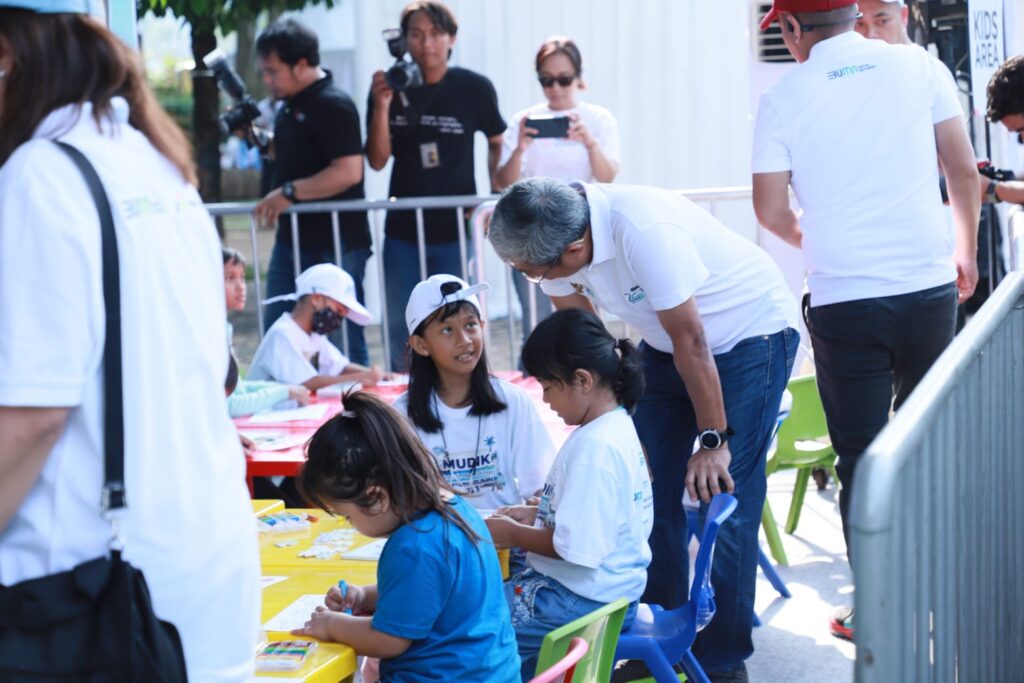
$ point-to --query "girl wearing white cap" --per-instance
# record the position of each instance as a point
(296, 349)
(485, 434)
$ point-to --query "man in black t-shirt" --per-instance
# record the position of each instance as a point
(318, 157)
(430, 132)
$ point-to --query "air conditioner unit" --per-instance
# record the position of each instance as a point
(768, 45)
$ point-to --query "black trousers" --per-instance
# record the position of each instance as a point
(866, 352)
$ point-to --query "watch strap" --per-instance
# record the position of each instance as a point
(288, 190)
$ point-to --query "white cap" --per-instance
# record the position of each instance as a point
(331, 281)
(890, 2)
(428, 297)
(92, 7)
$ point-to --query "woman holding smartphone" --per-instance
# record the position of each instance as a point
(561, 138)
(588, 150)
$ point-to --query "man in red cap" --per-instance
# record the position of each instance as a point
(857, 129)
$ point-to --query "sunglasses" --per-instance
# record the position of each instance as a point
(548, 81)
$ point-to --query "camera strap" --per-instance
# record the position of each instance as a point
(413, 113)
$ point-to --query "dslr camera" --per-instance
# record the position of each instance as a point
(244, 111)
(403, 74)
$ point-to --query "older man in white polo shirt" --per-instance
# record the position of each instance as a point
(719, 338)
(857, 130)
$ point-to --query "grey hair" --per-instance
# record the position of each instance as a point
(536, 219)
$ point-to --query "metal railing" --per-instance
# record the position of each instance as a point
(937, 545)
(472, 251)
(374, 210)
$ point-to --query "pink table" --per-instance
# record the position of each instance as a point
(288, 462)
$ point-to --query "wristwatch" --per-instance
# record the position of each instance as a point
(713, 439)
(288, 190)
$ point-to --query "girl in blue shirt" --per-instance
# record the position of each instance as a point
(438, 608)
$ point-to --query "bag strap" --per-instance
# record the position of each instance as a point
(113, 414)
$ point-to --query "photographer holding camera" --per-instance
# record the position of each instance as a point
(429, 129)
(1006, 105)
(318, 156)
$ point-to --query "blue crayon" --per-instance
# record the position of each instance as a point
(343, 587)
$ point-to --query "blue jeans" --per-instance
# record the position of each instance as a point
(402, 273)
(281, 280)
(753, 376)
(539, 605)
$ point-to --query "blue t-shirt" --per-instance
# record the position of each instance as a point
(444, 592)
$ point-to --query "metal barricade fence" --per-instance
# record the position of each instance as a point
(473, 246)
(937, 548)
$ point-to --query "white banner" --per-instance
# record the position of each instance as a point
(988, 46)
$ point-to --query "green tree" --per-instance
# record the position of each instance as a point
(205, 18)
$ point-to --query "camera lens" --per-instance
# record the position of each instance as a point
(403, 75)
(238, 117)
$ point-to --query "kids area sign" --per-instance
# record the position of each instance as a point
(988, 46)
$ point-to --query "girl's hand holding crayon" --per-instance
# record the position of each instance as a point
(351, 600)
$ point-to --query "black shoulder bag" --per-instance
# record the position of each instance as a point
(94, 622)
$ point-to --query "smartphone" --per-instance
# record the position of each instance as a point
(549, 126)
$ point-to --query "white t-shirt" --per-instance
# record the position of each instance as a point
(188, 525)
(598, 499)
(287, 354)
(498, 459)
(655, 249)
(560, 157)
(855, 124)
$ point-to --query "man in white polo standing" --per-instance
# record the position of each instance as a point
(719, 339)
(858, 129)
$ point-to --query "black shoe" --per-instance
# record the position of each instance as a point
(820, 476)
(736, 676)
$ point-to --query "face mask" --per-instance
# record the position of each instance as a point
(326, 321)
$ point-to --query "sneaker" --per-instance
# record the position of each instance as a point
(842, 623)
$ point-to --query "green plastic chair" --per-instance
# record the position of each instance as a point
(802, 444)
(600, 629)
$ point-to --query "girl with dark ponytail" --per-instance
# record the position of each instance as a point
(586, 541)
(437, 604)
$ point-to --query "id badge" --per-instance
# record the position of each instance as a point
(429, 155)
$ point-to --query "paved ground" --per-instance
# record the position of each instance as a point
(794, 644)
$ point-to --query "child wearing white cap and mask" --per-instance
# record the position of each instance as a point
(296, 350)
(485, 434)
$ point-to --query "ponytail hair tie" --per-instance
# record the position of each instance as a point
(620, 344)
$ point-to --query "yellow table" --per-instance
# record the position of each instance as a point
(331, 662)
(277, 560)
(266, 506)
(310, 576)
(286, 560)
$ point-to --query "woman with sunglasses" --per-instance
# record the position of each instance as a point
(589, 151)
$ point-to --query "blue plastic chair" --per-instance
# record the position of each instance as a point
(693, 521)
(661, 637)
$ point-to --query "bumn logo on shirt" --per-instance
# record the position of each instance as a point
(848, 71)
